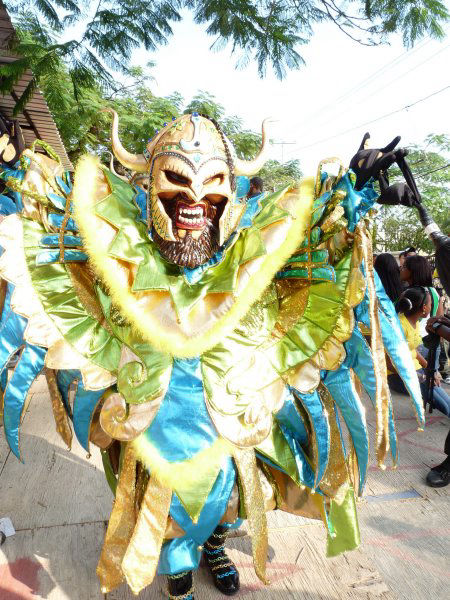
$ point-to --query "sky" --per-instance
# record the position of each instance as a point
(320, 109)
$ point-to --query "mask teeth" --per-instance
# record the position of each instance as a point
(161, 221)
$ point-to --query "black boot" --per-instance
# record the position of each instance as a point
(181, 586)
(439, 476)
(222, 569)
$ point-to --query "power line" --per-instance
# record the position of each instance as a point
(373, 120)
(379, 91)
(283, 144)
(365, 81)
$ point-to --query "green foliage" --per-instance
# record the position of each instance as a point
(414, 19)
(277, 175)
(266, 32)
(141, 114)
(399, 227)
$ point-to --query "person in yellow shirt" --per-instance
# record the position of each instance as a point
(415, 304)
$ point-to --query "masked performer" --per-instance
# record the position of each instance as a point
(208, 343)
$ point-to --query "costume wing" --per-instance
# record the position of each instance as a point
(44, 321)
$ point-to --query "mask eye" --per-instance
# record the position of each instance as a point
(177, 178)
(219, 178)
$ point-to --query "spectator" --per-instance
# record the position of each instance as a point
(408, 252)
(439, 476)
(256, 187)
(417, 271)
(415, 304)
(387, 268)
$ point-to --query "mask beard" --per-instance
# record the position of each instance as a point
(188, 252)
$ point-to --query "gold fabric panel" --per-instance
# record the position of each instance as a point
(377, 347)
(296, 499)
(38, 181)
(96, 433)
(120, 527)
(335, 479)
(3, 286)
(83, 282)
(254, 507)
(59, 412)
(142, 555)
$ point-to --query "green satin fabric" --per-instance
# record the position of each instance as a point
(234, 356)
(60, 301)
(316, 325)
(344, 524)
(276, 448)
(137, 382)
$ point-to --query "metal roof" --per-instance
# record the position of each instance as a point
(35, 120)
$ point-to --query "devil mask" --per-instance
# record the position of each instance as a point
(191, 205)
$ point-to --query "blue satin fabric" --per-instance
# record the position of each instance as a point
(57, 221)
(31, 363)
(340, 386)
(242, 186)
(53, 240)
(7, 205)
(318, 417)
(27, 369)
(84, 404)
(182, 427)
(290, 418)
(7, 172)
(141, 201)
(182, 554)
(361, 362)
(51, 256)
(356, 204)
(394, 342)
(305, 472)
(57, 201)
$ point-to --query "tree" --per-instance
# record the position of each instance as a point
(277, 175)
(398, 227)
(263, 31)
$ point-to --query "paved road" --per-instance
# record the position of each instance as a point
(59, 503)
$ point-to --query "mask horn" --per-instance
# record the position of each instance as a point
(114, 172)
(251, 167)
(134, 162)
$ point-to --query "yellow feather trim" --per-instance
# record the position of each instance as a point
(192, 479)
(177, 343)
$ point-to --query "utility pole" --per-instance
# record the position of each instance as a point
(283, 144)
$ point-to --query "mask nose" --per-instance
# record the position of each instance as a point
(197, 188)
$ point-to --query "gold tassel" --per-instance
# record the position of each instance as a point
(120, 527)
(254, 507)
(141, 558)
(59, 412)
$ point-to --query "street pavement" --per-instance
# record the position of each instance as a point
(59, 503)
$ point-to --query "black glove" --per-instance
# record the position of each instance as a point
(398, 193)
(371, 162)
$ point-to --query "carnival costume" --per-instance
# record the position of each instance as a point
(210, 345)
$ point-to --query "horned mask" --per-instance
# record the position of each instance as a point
(191, 206)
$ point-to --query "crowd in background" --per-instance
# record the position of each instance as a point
(423, 310)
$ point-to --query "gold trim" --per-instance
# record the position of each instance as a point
(245, 460)
(142, 555)
(59, 412)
